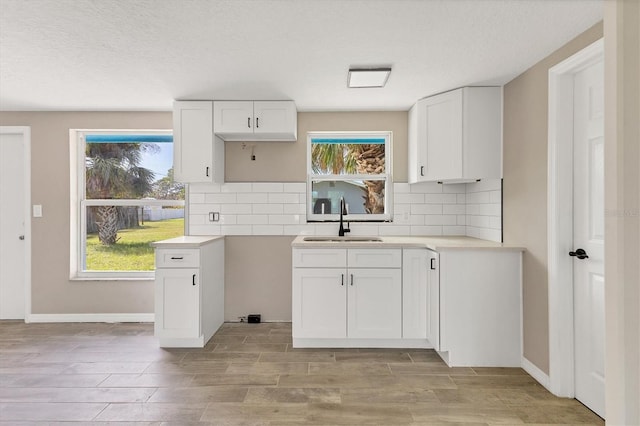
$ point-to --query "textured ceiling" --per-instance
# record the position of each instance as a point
(142, 54)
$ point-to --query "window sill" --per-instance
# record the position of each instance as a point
(108, 277)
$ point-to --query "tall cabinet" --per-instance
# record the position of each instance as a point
(456, 136)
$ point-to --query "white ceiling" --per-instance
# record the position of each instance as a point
(142, 54)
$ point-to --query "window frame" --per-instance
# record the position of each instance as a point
(387, 176)
(79, 204)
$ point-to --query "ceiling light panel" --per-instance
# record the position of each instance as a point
(361, 78)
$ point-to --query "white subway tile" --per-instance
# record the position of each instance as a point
(454, 188)
(454, 209)
(196, 198)
(302, 198)
(440, 198)
(326, 228)
(197, 219)
(454, 230)
(495, 197)
(394, 230)
(204, 188)
(478, 198)
(410, 219)
(253, 219)
(478, 221)
(426, 209)
(403, 188)
(228, 219)
(252, 198)
(294, 209)
(300, 187)
(235, 209)
(363, 229)
(408, 198)
(461, 219)
(473, 209)
(267, 187)
(489, 209)
(207, 229)
(236, 187)
(203, 208)
(236, 229)
(426, 230)
(284, 219)
(306, 229)
(438, 219)
(461, 198)
(220, 198)
(275, 197)
(426, 188)
(268, 230)
(495, 222)
(267, 208)
(484, 234)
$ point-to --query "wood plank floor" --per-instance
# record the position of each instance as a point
(249, 374)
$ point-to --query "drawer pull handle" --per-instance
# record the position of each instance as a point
(342, 279)
(352, 279)
(432, 265)
(193, 281)
(176, 258)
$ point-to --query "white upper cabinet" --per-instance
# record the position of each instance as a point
(255, 120)
(197, 156)
(456, 136)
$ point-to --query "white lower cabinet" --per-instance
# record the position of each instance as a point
(350, 300)
(189, 292)
(421, 296)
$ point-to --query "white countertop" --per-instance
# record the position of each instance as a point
(432, 243)
(187, 241)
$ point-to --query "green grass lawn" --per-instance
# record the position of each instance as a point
(132, 251)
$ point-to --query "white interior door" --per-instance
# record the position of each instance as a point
(588, 231)
(12, 226)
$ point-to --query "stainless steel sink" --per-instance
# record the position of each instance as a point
(344, 239)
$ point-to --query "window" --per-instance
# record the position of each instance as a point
(355, 166)
(126, 199)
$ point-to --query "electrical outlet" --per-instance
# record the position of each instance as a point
(214, 216)
(242, 319)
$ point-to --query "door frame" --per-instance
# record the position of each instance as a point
(560, 217)
(25, 132)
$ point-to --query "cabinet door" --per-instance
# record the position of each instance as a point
(277, 119)
(233, 118)
(416, 145)
(443, 136)
(319, 303)
(193, 141)
(433, 303)
(177, 302)
(415, 293)
(375, 303)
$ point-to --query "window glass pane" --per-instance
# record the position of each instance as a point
(361, 197)
(118, 237)
(130, 170)
(347, 156)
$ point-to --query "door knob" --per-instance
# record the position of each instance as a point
(580, 254)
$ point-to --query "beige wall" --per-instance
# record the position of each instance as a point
(286, 161)
(52, 291)
(622, 210)
(258, 269)
(525, 188)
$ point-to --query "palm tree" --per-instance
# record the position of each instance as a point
(354, 159)
(113, 172)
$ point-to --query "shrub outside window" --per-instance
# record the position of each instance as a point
(355, 166)
(126, 199)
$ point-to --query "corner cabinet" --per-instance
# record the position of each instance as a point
(456, 136)
(189, 291)
(197, 157)
(255, 120)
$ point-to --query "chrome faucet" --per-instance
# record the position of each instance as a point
(343, 211)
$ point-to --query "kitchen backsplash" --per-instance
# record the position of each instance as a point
(278, 208)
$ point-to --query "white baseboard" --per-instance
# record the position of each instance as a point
(109, 318)
(540, 376)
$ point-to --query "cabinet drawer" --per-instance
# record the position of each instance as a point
(178, 258)
(319, 258)
(375, 258)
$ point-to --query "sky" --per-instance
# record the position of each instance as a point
(160, 162)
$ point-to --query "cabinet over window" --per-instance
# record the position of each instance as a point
(255, 120)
